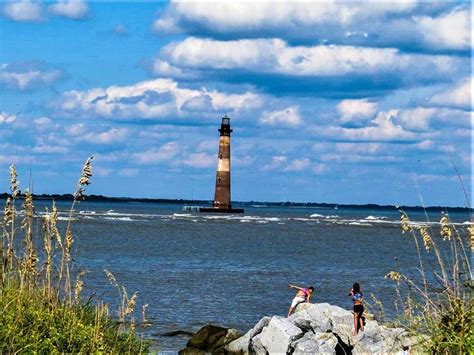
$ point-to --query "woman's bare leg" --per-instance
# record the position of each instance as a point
(356, 321)
(361, 321)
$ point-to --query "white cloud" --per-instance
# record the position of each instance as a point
(277, 161)
(200, 160)
(275, 56)
(459, 95)
(417, 119)
(287, 117)
(73, 9)
(128, 172)
(26, 76)
(112, 135)
(6, 118)
(448, 31)
(24, 11)
(350, 109)
(50, 149)
(384, 24)
(154, 99)
(298, 165)
(381, 128)
(154, 155)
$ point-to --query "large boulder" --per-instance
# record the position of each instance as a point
(277, 336)
(210, 339)
(241, 346)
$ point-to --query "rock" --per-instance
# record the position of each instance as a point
(210, 339)
(279, 334)
(319, 328)
(242, 344)
(320, 343)
(177, 333)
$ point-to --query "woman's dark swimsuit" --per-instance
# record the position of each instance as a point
(358, 308)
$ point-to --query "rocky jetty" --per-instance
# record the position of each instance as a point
(313, 329)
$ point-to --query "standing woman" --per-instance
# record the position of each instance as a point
(356, 295)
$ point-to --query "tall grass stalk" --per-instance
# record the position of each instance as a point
(438, 309)
(41, 309)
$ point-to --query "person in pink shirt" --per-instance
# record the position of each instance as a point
(303, 295)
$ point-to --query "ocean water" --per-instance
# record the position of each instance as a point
(231, 270)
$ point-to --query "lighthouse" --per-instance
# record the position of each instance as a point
(222, 201)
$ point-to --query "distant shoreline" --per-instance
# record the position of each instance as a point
(101, 198)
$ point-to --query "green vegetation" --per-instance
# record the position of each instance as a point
(438, 308)
(41, 309)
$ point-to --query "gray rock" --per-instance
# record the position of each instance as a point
(320, 343)
(256, 346)
(278, 335)
(242, 345)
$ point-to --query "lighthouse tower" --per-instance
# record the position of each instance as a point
(222, 193)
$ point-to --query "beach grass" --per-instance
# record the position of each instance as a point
(41, 306)
(436, 305)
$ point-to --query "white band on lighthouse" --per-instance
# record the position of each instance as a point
(223, 165)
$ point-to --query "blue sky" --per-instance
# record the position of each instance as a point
(330, 102)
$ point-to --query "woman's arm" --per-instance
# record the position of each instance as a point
(308, 297)
(350, 292)
(293, 286)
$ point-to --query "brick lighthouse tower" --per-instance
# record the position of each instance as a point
(222, 193)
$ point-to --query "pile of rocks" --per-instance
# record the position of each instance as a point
(319, 328)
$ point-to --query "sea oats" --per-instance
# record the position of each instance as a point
(111, 278)
(393, 275)
(78, 286)
(131, 304)
(13, 181)
(405, 222)
(426, 238)
(471, 237)
(84, 180)
(446, 231)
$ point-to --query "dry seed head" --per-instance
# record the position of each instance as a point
(13, 181)
(111, 278)
(471, 237)
(446, 231)
(79, 285)
(53, 225)
(8, 212)
(84, 180)
(131, 304)
(68, 242)
(405, 222)
(426, 238)
(393, 275)
(28, 208)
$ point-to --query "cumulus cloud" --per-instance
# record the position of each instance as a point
(458, 95)
(6, 118)
(448, 31)
(350, 109)
(410, 23)
(287, 117)
(73, 9)
(155, 155)
(112, 135)
(200, 160)
(24, 11)
(275, 56)
(381, 128)
(154, 99)
(26, 75)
